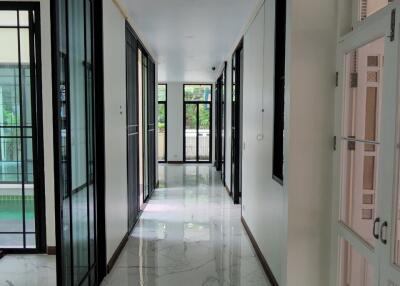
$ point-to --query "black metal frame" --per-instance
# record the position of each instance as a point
(197, 102)
(133, 130)
(37, 126)
(165, 103)
(279, 90)
(99, 266)
(236, 149)
(220, 123)
(149, 111)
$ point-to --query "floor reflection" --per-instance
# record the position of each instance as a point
(189, 234)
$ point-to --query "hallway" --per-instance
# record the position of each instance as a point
(189, 234)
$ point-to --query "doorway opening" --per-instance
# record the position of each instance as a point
(197, 112)
(22, 190)
(162, 122)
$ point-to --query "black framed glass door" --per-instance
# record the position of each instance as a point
(197, 120)
(220, 124)
(236, 154)
(132, 126)
(78, 141)
(22, 214)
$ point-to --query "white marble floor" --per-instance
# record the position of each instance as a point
(189, 234)
(28, 270)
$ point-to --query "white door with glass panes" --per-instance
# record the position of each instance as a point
(366, 181)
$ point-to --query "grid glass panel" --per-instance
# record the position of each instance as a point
(17, 160)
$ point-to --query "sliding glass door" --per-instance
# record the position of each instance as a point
(77, 188)
(197, 123)
(22, 217)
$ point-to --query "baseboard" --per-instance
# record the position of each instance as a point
(175, 162)
(117, 253)
(227, 190)
(51, 250)
(260, 256)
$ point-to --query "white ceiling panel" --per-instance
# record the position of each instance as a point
(189, 37)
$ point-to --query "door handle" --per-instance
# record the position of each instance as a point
(374, 233)
(383, 226)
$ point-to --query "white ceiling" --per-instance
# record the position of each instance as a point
(189, 37)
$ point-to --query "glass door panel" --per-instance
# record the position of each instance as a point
(362, 118)
(21, 192)
(76, 142)
(355, 269)
(204, 136)
(191, 123)
(359, 183)
(360, 141)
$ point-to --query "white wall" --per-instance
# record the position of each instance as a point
(262, 196)
(309, 94)
(47, 95)
(291, 223)
(228, 124)
(175, 121)
(115, 126)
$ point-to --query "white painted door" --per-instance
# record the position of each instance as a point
(365, 120)
(389, 226)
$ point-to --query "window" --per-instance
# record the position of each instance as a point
(280, 34)
(162, 122)
(198, 92)
(197, 122)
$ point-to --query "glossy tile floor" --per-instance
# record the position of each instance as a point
(28, 270)
(189, 234)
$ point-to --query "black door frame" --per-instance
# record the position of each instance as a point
(99, 140)
(236, 148)
(220, 123)
(37, 128)
(197, 103)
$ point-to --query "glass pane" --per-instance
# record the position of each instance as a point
(78, 131)
(162, 92)
(355, 270)
(11, 216)
(11, 240)
(161, 132)
(30, 240)
(198, 92)
(29, 208)
(191, 132)
(359, 187)
(369, 7)
(204, 131)
(8, 18)
(23, 18)
(363, 91)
